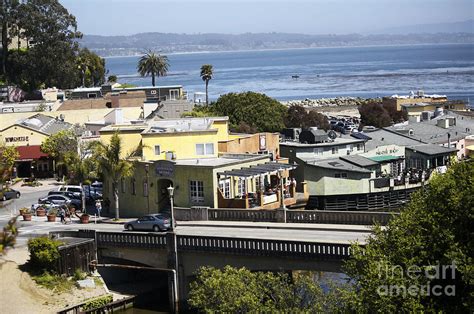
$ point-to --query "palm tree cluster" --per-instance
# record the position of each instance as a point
(153, 64)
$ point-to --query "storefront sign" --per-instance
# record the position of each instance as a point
(164, 168)
(387, 151)
(16, 139)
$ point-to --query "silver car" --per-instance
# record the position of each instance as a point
(155, 222)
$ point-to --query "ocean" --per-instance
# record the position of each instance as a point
(446, 69)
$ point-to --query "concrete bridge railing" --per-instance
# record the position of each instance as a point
(262, 247)
(292, 216)
(225, 245)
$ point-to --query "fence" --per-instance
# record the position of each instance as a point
(339, 217)
(131, 240)
(76, 254)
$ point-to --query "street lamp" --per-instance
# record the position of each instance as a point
(171, 194)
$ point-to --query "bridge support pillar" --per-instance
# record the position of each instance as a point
(172, 249)
(280, 215)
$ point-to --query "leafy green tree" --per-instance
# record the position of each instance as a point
(112, 79)
(206, 75)
(257, 110)
(8, 16)
(111, 165)
(60, 146)
(436, 228)
(92, 68)
(153, 64)
(234, 290)
(298, 117)
(8, 156)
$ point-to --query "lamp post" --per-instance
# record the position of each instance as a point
(173, 257)
(171, 194)
(147, 169)
(282, 196)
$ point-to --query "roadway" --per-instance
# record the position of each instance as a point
(322, 233)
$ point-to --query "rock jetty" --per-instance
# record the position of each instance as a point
(329, 102)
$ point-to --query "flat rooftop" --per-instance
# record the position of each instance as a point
(218, 161)
(337, 141)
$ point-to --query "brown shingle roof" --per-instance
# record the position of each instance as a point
(129, 99)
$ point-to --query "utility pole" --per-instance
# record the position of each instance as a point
(173, 253)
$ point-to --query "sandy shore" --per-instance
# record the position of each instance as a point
(20, 294)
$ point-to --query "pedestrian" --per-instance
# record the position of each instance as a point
(62, 213)
(98, 207)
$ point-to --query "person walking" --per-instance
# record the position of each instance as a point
(62, 213)
(98, 207)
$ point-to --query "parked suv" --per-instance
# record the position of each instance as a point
(72, 188)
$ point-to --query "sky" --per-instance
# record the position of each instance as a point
(125, 17)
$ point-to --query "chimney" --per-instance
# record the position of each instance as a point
(115, 100)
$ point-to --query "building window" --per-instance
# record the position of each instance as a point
(157, 150)
(335, 150)
(145, 188)
(241, 187)
(122, 185)
(134, 187)
(341, 175)
(360, 147)
(196, 191)
(205, 149)
(224, 186)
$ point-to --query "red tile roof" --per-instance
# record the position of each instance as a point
(30, 152)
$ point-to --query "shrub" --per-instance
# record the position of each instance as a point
(79, 275)
(44, 253)
(97, 302)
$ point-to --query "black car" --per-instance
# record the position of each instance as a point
(8, 193)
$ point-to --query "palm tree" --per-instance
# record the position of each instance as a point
(153, 64)
(206, 75)
(111, 165)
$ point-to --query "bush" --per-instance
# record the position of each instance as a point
(44, 253)
(79, 275)
(97, 302)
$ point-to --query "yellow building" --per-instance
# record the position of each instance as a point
(171, 139)
(27, 135)
(185, 153)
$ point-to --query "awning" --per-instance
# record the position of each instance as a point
(28, 153)
(257, 170)
(385, 158)
(470, 147)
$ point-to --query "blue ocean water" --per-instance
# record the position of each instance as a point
(323, 72)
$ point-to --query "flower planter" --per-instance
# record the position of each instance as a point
(85, 219)
(51, 218)
(26, 217)
(41, 212)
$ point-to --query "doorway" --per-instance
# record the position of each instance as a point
(164, 204)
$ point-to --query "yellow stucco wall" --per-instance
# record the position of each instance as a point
(21, 136)
(183, 144)
(222, 127)
(130, 140)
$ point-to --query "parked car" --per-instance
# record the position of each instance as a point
(61, 200)
(76, 198)
(8, 193)
(72, 188)
(155, 222)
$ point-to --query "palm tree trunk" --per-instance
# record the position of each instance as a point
(116, 202)
(153, 79)
(207, 96)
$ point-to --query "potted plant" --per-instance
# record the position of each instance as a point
(85, 218)
(52, 215)
(41, 211)
(25, 212)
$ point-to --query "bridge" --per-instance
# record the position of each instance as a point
(256, 246)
